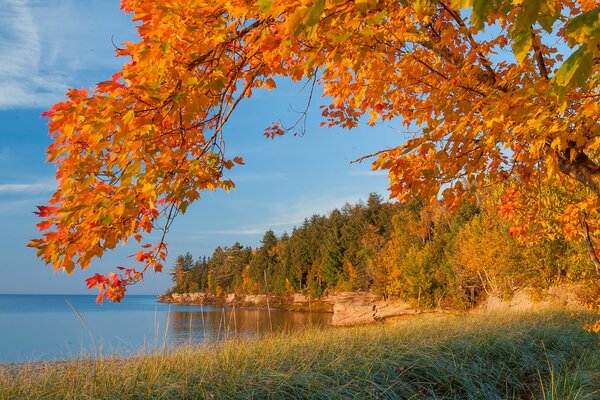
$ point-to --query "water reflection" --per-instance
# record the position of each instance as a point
(45, 327)
(216, 323)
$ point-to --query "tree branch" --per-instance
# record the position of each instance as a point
(590, 247)
(539, 57)
(474, 45)
(581, 168)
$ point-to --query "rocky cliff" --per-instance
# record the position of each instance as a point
(293, 302)
(349, 308)
(354, 308)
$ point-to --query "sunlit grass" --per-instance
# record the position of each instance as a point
(522, 356)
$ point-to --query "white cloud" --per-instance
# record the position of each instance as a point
(278, 227)
(21, 82)
(26, 188)
(284, 216)
(20, 48)
(296, 212)
(47, 46)
(249, 231)
(20, 207)
(27, 94)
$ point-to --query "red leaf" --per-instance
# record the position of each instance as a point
(42, 226)
(141, 255)
(45, 211)
(95, 280)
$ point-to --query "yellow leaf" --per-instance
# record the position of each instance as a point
(128, 116)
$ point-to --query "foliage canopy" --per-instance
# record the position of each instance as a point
(144, 144)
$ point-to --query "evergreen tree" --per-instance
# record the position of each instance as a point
(263, 262)
(181, 274)
(332, 251)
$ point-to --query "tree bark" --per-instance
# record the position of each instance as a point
(582, 169)
(590, 247)
(587, 172)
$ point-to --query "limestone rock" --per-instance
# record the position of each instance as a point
(299, 298)
(255, 299)
(353, 308)
(524, 300)
(230, 298)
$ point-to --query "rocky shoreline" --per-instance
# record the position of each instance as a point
(356, 308)
(292, 302)
(349, 308)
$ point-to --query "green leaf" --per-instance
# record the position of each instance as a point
(314, 13)
(362, 5)
(367, 5)
(521, 30)
(264, 5)
(529, 12)
(521, 43)
(481, 9)
(428, 173)
(216, 84)
(378, 18)
(547, 21)
(423, 5)
(584, 26)
(576, 69)
(184, 206)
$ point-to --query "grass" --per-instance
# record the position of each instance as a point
(480, 356)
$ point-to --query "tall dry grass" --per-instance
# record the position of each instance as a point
(523, 356)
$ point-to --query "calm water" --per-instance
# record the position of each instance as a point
(45, 327)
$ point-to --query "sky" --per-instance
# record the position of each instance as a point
(47, 46)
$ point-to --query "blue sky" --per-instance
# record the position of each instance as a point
(47, 46)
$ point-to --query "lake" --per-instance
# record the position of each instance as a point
(47, 327)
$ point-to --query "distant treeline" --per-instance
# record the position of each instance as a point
(426, 257)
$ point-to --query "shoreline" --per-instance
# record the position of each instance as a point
(360, 308)
(15, 367)
(401, 357)
(292, 302)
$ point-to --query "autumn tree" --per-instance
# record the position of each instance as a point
(557, 215)
(143, 145)
(486, 257)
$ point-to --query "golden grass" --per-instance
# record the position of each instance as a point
(543, 355)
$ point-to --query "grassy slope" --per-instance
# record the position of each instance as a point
(541, 356)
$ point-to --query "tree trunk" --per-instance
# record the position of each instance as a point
(587, 172)
(582, 169)
(590, 247)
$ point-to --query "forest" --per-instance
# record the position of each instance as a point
(429, 257)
